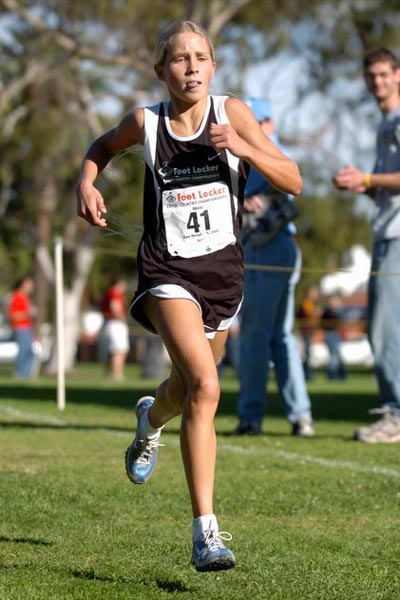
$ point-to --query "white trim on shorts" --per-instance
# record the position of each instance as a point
(171, 290)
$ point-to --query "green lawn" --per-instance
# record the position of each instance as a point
(310, 518)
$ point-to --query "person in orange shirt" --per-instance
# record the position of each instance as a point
(308, 315)
(114, 336)
(20, 315)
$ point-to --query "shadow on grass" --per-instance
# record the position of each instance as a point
(91, 575)
(223, 431)
(23, 540)
(167, 585)
(330, 401)
(332, 406)
(74, 426)
(172, 586)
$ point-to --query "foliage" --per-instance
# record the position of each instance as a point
(326, 228)
(69, 70)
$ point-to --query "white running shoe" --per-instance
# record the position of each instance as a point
(384, 431)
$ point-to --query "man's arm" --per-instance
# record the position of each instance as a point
(353, 179)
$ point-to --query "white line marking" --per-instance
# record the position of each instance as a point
(48, 420)
(296, 456)
(318, 460)
(15, 412)
(286, 455)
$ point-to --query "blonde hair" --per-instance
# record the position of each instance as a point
(173, 28)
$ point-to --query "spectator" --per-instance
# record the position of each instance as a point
(331, 322)
(231, 355)
(308, 315)
(267, 314)
(21, 313)
(382, 77)
(154, 359)
(114, 335)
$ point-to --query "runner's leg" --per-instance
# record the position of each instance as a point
(194, 379)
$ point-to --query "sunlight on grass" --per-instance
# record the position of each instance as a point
(310, 518)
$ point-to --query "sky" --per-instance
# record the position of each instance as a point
(324, 130)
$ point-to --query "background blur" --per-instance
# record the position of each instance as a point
(69, 70)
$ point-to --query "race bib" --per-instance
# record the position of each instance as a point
(198, 220)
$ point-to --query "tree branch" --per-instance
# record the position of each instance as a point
(33, 72)
(72, 45)
(221, 13)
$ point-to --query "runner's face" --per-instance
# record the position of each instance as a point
(382, 80)
(188, 68)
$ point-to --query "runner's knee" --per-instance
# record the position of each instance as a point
(204, 391)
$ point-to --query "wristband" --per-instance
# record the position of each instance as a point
(367, 180)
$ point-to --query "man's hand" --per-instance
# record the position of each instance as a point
(254, 204)
(350, 178)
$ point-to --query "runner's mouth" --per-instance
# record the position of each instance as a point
(193, 84)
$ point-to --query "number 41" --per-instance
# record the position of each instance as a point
(193, 221)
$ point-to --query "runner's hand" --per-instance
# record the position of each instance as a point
(90, 204)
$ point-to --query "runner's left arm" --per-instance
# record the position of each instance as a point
(244, 138)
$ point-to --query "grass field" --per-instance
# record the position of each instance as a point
(310, 518)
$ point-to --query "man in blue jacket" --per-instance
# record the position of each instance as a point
(273, 262)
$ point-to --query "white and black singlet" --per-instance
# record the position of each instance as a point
(193, 195)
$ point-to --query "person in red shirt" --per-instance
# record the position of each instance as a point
(20, 315)
(308, 315)
(114, 336)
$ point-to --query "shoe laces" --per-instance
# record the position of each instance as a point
(146, 453)
(214, 540)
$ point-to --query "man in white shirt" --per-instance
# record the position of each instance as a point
(382, 76)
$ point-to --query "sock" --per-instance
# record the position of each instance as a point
(203, 523)
(147, 429)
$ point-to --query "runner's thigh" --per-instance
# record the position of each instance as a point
(178, 322)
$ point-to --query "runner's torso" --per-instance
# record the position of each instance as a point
(192, 206)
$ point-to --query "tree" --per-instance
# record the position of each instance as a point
(69, 69)
(327, 227)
